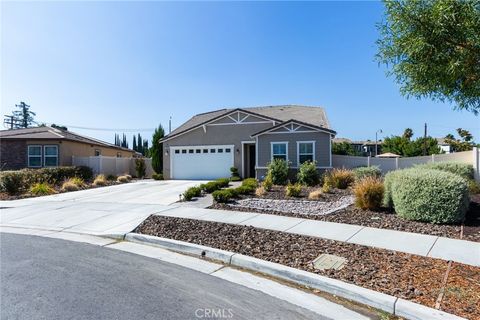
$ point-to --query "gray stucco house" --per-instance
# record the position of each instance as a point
(207, 145)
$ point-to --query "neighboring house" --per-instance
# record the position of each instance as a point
(209, 144)
(444, 145)
(38, 147)
(365, 148)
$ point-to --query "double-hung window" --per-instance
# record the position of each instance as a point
(279, 150)
(50, 156)
(34, 156)
(306, 151)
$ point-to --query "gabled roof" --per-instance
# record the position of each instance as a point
(49, 133)
(318, 128)
(310, 115)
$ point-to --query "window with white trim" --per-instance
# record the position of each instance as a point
(50, 156)
(34, 156)
(306, 152)
(279, 150)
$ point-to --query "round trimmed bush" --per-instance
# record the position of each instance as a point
(462, 169)
(429, 195)
(364, 172)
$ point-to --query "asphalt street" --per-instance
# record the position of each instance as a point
(44, 278)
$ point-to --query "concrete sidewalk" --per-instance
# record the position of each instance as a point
(462, 251)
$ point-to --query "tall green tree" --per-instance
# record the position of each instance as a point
(408, 133)
(156, 151)
(344, 148)
(432, 48)
(23, 117)
(406, 147)
(463, 143)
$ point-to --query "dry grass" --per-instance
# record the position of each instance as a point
(123, 179)
(100, 180)
(340, 178)
(70, 186)
(369, 193)
(315, 195)
(260, 191)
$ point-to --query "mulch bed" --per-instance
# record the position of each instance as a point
(377, 219)
(407, 276)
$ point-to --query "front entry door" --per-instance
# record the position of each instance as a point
(251, 162)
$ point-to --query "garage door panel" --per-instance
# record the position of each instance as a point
(202, 162)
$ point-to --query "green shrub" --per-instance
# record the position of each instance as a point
(387, 183)
(111, 177)
(278, 169)
(210, 187)
(248, 186)
(473, 187)
(84, 173)
(267, 184)
(235, 175)
(42, 189)
(250, 182)
(140, 167)
(462, 169)
(340, 178)
(308, 174)
(223, 182)
(100, 180)
(429, 195)
(12, 182)
(369, 193)
(364, 172)
(223, 196)
(157, 176)
(192, 192)
(294, 190)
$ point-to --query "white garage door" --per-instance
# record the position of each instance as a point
(201, 162)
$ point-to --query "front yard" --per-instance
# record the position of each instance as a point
(408, 276)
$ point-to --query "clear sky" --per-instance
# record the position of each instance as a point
(133, 64)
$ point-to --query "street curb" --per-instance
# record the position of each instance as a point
(378, 300)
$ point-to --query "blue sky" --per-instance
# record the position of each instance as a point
(133, 64)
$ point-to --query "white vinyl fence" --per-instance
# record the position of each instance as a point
(389, 164)
(112, 165)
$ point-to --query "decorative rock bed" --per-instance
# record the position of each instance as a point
(301, 207)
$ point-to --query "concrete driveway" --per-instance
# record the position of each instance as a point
(111, 211)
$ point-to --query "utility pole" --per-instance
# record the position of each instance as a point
(425, 140)
(170, 125)
(11, 121)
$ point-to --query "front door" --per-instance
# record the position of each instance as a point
(251, 162)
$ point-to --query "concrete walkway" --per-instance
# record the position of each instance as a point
(462, 251)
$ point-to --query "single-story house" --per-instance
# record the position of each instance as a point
(38, 147)
(444, 145)
(209, 144)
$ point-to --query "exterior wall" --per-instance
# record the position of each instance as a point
(13, 154)
(214, 135)
(322, 147)
(15, 151)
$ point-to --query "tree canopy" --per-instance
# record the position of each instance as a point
(156, 150)
(406, 147)
(344, 148)
(432, 48)
(463, 143)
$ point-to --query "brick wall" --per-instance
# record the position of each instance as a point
(13, 154)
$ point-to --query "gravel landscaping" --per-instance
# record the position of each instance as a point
(376, 219)
(407, 276)
(300, 207)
